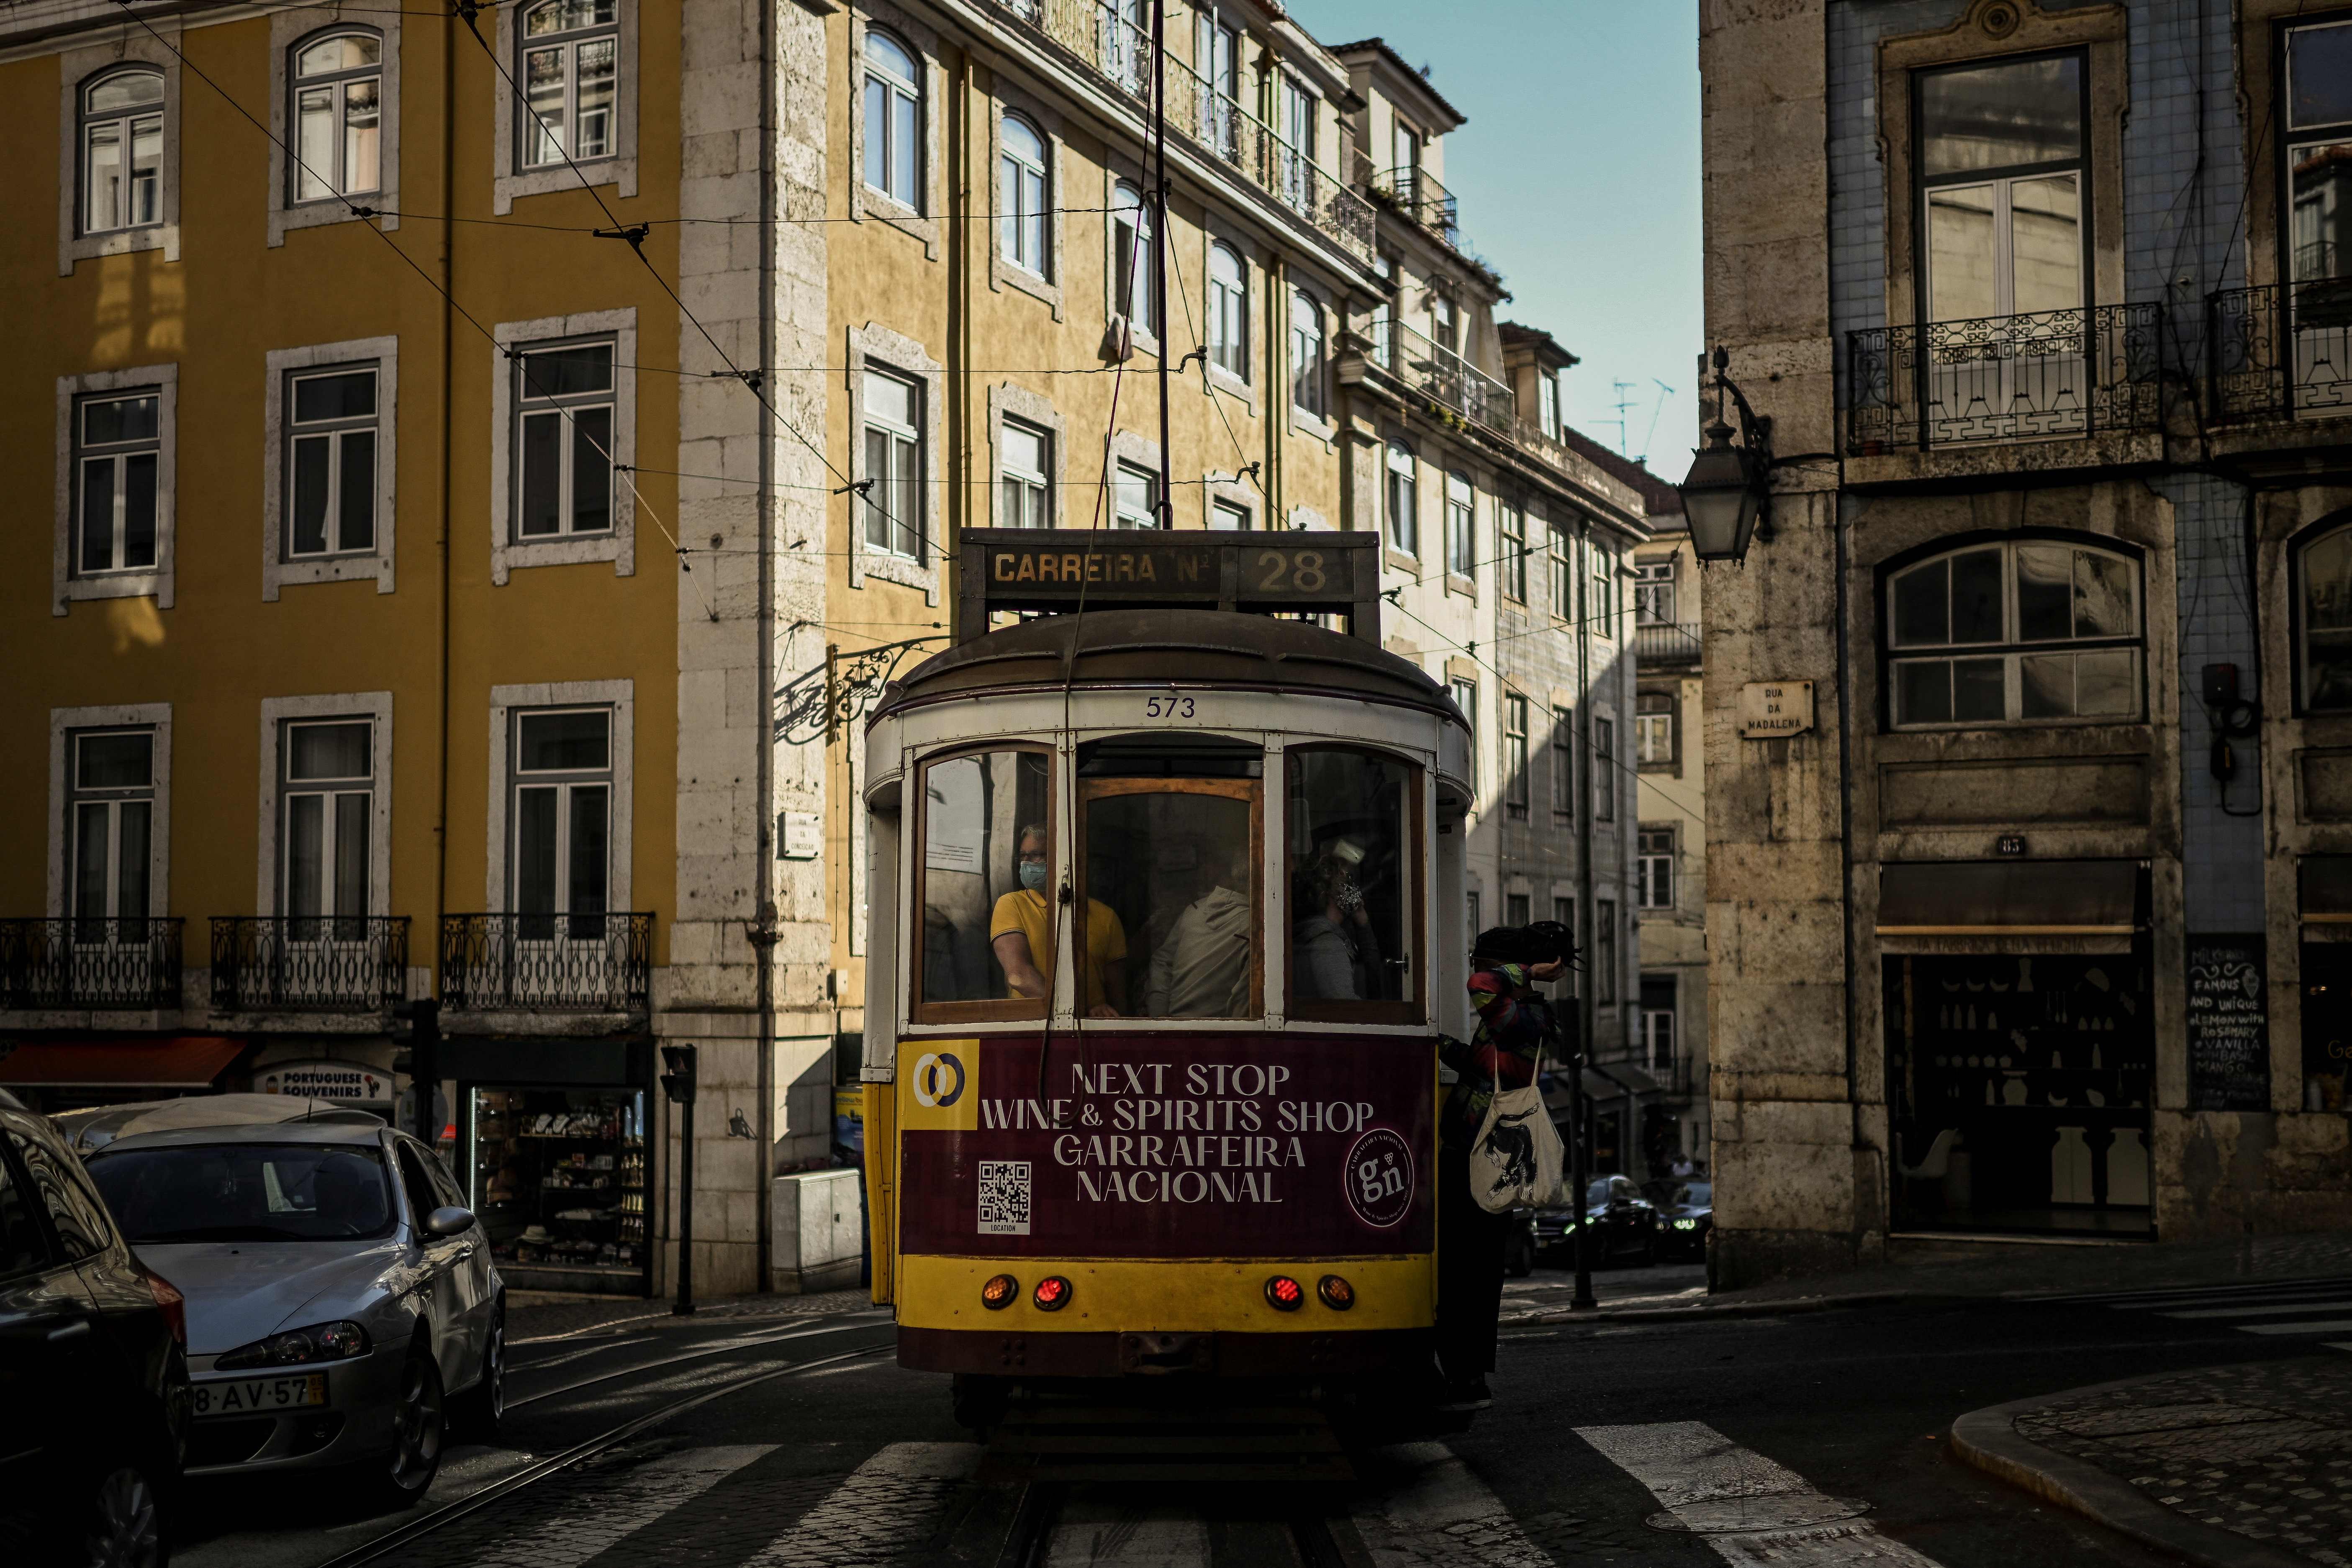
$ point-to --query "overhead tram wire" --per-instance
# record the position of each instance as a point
(590, 229)
(430, 283)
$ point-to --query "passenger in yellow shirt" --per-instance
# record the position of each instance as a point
(1021, 932)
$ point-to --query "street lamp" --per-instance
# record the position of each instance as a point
(1728, 495)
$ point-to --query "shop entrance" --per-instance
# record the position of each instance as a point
(558, 1177)
(2327, 1025)
(2019, 1089)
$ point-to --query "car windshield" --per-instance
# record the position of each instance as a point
(245, 1192)
(1698, 1195)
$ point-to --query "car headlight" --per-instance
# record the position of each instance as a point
(1685, 1224)
(299, 1347)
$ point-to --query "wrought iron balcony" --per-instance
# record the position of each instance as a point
(2277, 352)
(1416, 197)
(1108, 42)
(98, 962)
(547, 963)
(1665, 643)
(2005, 378)
(1444, 376)
(309, 964)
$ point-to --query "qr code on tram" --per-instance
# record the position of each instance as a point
(1004, 1197)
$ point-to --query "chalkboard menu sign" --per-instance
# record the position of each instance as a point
(2229, 1025)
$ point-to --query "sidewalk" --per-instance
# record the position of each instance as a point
(2236, 1466)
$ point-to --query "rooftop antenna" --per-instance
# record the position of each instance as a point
(1623, 403)
(1656, 408)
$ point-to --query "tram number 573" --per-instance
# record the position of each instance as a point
(1172, 706)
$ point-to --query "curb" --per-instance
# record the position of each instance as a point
(1551, 1315)
(1987, 1440)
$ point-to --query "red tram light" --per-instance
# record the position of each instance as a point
(999, 1292)
(1053, 1293)
(1285, 1294)
(1337, 1293)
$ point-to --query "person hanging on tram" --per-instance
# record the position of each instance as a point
(1202, 968)
(1515, 1024)
(1020, 933)
(1334, 953)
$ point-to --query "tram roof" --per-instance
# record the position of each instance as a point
(1126, 648)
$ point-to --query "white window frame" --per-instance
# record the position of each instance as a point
(1045, 281)
(278, 569)
(67, 583)
(1655, 866)
(1563, 764)
(287, 29)
(620, 697)
(125, 124)
(1605, 948)
(1653, 592)
(1604, 767)
(1511, 549)
(276, 715)
(1023, 229)
(1310, 362)
(1648, 725)
(864, 201)
(1461, 528)
(1408, 470)
(1228, 516)
(1033, 409)
(900, 435)
(1229, 314)
(904, 357)
(2012, 649)
(2300, 613)
(1518, 786)
(1131, 273)
(509, 552)
(64, 724)
(128, 45)
(510, 181)
(1125, 477)
(1033, 485)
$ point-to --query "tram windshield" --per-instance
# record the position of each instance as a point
(1350, 836)
(987, 879)
(1171, 851)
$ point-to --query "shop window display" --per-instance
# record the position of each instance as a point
(559, 1183)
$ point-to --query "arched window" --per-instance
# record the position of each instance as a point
(1306, 352)
(338, 83)
(1404, 504)
(122, 151)
(1131, 294)
(894, 120)
(2324, 616)
(570, 70)
(2035, 630)
(1021, 200)
(1228, 310)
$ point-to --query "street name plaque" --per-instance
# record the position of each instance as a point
(1770, 708)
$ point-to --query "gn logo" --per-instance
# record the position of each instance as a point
(939, 1079)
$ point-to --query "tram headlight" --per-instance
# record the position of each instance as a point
(1337, 1293)
(1285, 1294)
(1053, 1293)
(999, 1292)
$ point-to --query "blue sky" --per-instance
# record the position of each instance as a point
(1579, 180)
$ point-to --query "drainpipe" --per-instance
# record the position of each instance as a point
(1588, 1014)
(448, 267)
(762, 930)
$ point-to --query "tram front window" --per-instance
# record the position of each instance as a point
(1171, 851)
(1349, 838)
(987, 881)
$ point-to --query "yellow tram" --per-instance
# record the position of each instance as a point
(1164, 924)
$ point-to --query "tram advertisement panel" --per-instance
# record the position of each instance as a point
(1167, 1146)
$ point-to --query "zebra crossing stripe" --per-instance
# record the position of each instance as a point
(1438, 1513)
(2326, 1326)
(888, 1505)
(625, 1504)
(1751, 1510)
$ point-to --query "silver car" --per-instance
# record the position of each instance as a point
(343, 1308)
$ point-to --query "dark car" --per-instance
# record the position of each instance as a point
(1625, 1226)
(1521, 1243)
(93, 1367)
(1686, 1213)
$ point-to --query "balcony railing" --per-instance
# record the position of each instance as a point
(1418, 198)
(131, 961)
(2281, 352)
(545, 963)
(1118, 48)
(1665, 642)
(2005, 378)
(1443, 373)
(309, 964)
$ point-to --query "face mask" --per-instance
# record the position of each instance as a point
(1033, 875)
(1350, 898)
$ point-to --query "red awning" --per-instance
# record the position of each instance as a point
(182, 1062)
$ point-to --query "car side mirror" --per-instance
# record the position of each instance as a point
(449, 1220)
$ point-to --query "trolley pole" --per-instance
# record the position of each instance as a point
(678, 1084)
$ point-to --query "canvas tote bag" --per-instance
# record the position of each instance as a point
(1515, 1163)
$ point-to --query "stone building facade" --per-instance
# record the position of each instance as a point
(2036, 928)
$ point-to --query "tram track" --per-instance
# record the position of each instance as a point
(701, 1352)
(458, 1509)
(1029, 1538)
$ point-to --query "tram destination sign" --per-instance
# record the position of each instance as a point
(1057, 570)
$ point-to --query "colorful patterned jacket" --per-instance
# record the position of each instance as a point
(1512, 1030)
